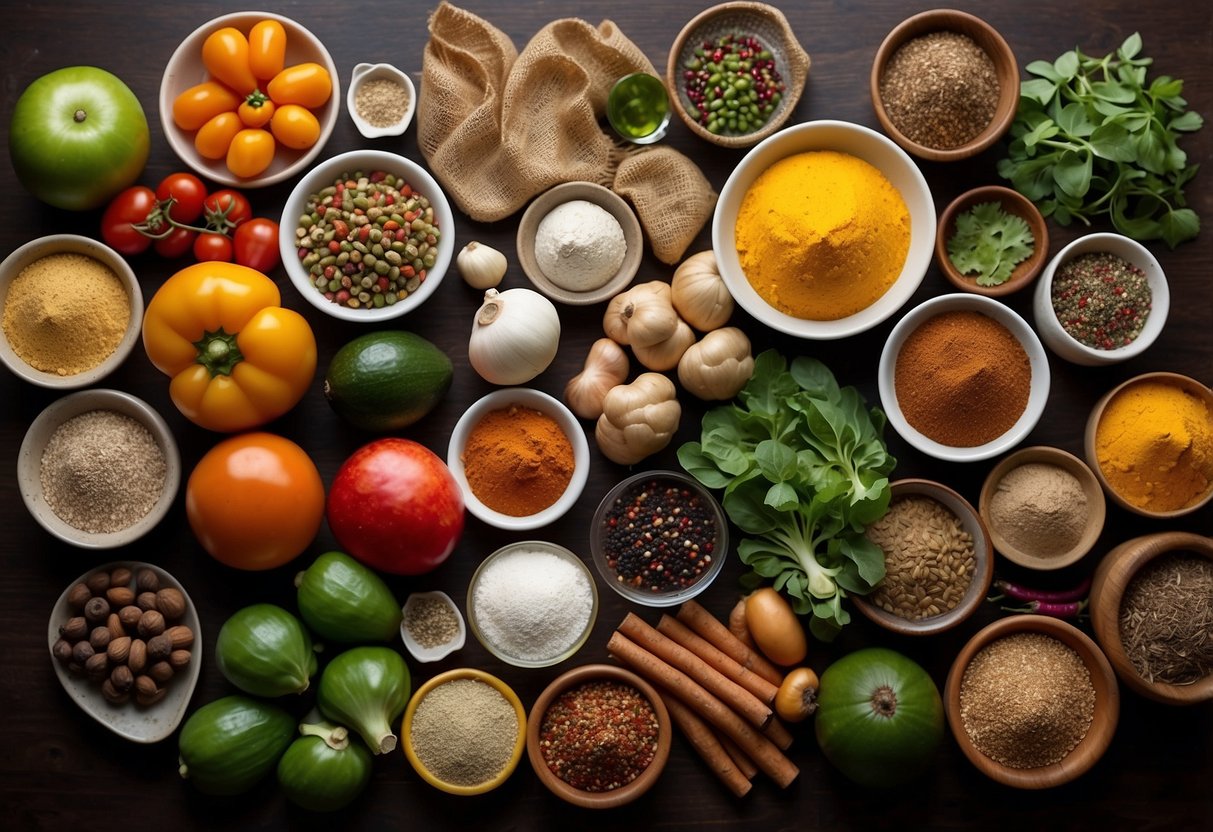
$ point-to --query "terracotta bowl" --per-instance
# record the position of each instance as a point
(615, 797)
(1113, 575)
(1013, 203)
(982, 576)
(1103, 725)
(985, 36)
(1090, 486)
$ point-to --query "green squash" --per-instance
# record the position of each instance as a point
(265, 651)
(341, 600)
(325, 769)
(879, 717)
(367, 689)
(228, 745)
(386, 381)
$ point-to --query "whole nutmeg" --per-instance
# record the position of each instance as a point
(120, 596)
(149, 699)
(179, 658)
(99, 638)
(151, 623)
(82, 651)
(97, 610)
(120, 577)
(171, 603)
(112, 694)
(97, 667)
(159, 647)
(114, 625)
(74, 629)
(129, 616)
(79, 595)
(62, 650)
(146, 580)
(161, 671)
(122, 679)
(136, 659)
(98, 582)
(146, 600)
(181, 636)
(145, 685)
(119, 649)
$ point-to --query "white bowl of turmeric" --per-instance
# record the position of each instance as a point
(824, 230)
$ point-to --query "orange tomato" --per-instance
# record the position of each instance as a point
(307, 85)
(295, 126)
(251, 151)
(266, 49)
(225, 54)
(256, 110)
(215, 137)
(202, 102)
(255, 501)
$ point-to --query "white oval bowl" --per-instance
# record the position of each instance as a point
(438, 652)
(371, 72)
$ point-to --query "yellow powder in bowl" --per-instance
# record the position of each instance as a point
(822, 235)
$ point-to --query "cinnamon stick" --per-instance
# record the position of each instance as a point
(674, 629)
(744, 764)
(708, 627)
(708, 745)
(778, 733)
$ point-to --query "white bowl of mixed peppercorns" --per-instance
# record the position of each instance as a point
(1101, 300)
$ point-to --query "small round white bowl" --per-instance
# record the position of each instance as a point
(29, 464)
(862, 143)
(71, 244)
(185, 69)
(440, 651)
(372, 72)
(324, 175)
(538, 400)
(1037, 397)
(1060, 341)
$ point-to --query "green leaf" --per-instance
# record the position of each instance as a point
(989, 243)
(1151, 150)
(1114, 92)
(1047, 129)
(1038, 89)
(700, 466)
(1073, 120)
(776, 461)
(1112, 141)
(1072, 173)
(1164, 86)
(1067, 65)
(1131, 48)
(782, 497)
(1179, 226)
(1187, 122)
(1045, 70)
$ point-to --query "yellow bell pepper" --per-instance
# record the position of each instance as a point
(236, 358)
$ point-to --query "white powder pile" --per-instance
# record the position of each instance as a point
(579, 246)
(532, 605)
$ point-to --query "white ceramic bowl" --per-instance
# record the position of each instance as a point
(440, 651)
(73, 244)
(185, 69)
(323, 176)
(29, 464)
(375, 72)
(1018, 327)
(538, 400)
(1060, 341)
(862, 143)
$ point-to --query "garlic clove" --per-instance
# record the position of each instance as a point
(606, 366)
(481, 266)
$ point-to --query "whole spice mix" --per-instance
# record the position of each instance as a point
(1166, 619)
(381, 102)
(518, 461)
(599, 736)
(464, 732)
(431, 622)
(1101, 300)
(733, 84)
(1040, 509)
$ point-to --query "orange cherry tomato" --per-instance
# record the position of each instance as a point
(266, 49)
(307, 85)
(225, 54)
(251, 151)
(256, 110)
(199, 104)
(295, 126)
(215, 137)
(255, 501)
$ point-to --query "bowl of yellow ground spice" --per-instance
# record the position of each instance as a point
(824, 230)
(72, 309)
(1150, 443)
(520, 457)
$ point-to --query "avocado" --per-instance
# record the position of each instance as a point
(385, 381)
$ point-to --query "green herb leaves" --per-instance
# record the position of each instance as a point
(804, 472)
(1092, 137)
(990, 243)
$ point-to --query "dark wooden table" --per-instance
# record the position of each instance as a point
(61, 770)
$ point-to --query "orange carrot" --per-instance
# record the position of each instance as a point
(738, 626)
(674, 629)
(708, 746)
(706, 625)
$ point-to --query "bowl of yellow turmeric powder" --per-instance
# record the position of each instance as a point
(824, 230)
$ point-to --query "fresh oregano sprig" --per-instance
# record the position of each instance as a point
(1092, 138)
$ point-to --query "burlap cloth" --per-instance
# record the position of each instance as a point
(498, 127)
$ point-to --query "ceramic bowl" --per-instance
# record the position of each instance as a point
(71, 244)
(983, 557)
(1065, 345)
(185, 70)
(1037, 396)
(29, 465)
(603, 557)
(137, 723)
(364, 73)
(1013, 203)
(439, 651)
(1103, 724)
(1113, 576)
(605, 199)
(1096, 507)
(864, 144)
(1190, 386)
(406, 731)
(535, 400)
(500, 652)
(323, 176)
(988, 39)
(579, 797)
(772, 29)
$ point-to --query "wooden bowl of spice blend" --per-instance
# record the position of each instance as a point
(72, 311)
(1032, 701)
(991, 241)
(1152, 612)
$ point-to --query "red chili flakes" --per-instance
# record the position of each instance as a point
(599, 736)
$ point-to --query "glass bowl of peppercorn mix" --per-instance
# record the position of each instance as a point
(659, 538)
(1101, 300)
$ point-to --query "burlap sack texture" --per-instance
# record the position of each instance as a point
(498, 127)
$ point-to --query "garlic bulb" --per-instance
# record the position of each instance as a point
(718, 366)
(481, 266)
(699, 293)
(638, 419)
(664, 355)
(605, 367)
(641, 316)
(514, 337)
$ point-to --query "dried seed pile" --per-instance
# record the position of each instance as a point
(929, 558)
(431, 622)
(1166, 620)
(464, 732)
(1026, 700)
(381, 102)
(599, 736)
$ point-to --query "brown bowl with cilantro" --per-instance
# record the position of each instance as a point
(991, 241)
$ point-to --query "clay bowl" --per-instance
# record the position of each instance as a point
(986, 37)
(616, 797)
(1013, 203)
(1103, 725)
(1090, 487)
(1113, 575)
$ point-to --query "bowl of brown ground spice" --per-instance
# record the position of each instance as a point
(72, 311)
(1152, 612)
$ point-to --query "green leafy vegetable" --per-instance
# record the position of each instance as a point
(804, 472)
(1092, 138)
(990, 243)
